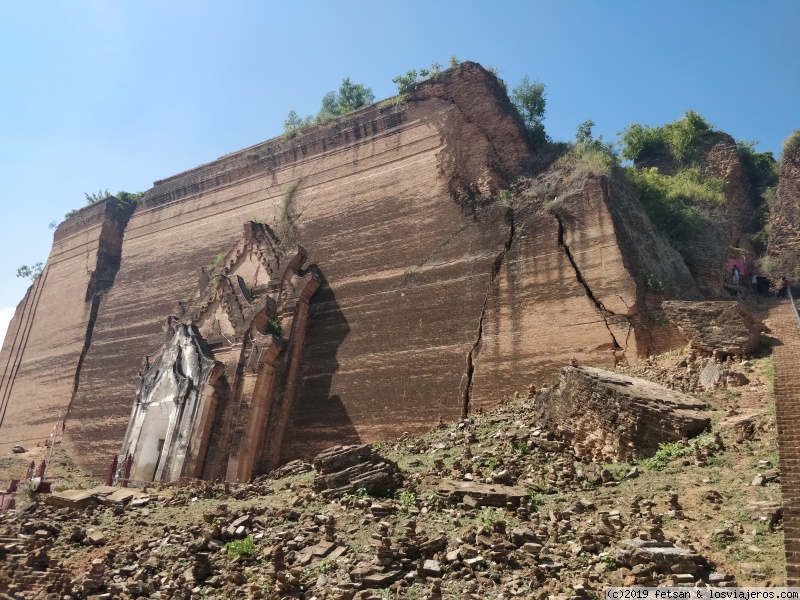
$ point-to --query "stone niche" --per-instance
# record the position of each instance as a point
(214, 400)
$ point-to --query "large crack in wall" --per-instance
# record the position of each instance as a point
(604, 312)
(497, 264)
(109, 257)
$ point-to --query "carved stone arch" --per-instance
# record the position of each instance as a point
(246, 323)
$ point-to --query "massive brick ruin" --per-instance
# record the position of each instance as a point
(434, 296)
(784, 232)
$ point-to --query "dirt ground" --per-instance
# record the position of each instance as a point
(723, 517)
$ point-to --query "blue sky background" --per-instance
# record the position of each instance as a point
(111, 94)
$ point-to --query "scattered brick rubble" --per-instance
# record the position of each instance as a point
(347, 469)
(466, 518)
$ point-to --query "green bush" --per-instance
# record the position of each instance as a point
(792, 141)
(244, 547)
(588, 155)
(668, 452)
(360, 494)
(413, 77)
(217, 261)
(284, 222)
(31, 272)
(348, 98)
(760, 167)
(408, 500)
(665, 454)
(274, 327)
(127, 201)
(672, 202)
(294, 123)
(684, 140)
(93, 198)
(529, 99)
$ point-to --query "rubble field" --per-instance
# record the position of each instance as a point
(500, 505)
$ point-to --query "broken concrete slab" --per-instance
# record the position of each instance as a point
(78, 499)
(606, 415)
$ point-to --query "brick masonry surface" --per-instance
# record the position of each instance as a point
(787, 403)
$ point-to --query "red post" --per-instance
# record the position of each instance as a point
(42, 467)
(127, 472)
(112, 471)
(31, 470)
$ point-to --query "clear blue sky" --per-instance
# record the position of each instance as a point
(112, 94)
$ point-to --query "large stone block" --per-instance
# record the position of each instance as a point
(724, 327)
(605, 415)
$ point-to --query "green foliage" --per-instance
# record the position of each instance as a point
(274, 327)
(585, 142)
(93, 198)
(760, 167)
(348, 98)
(408, 82)
(412, 78)
(518, 447)
(671, 202)
(393, 101)
(653, 283)
(528, 97)
(284, 223)
(453, 61)
(588, 155)
(244, 547)
(792, 141)
(761, 237)
(487, 519)
(28, 491)
(666, 452)
(32, 272)
(608, 561)
(535, 497)
(217, 261)
(128, 200)
(684, 140)
(670, 451)
(294, 123)
(769, 371)
(360, 494)
(408, 500)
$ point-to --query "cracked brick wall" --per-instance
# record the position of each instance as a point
(572, 285)
(435, 296)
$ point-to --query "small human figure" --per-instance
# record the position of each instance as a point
(784, 287)
(754, 282)
(735, 275)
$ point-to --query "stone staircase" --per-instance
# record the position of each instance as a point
(786, 357)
